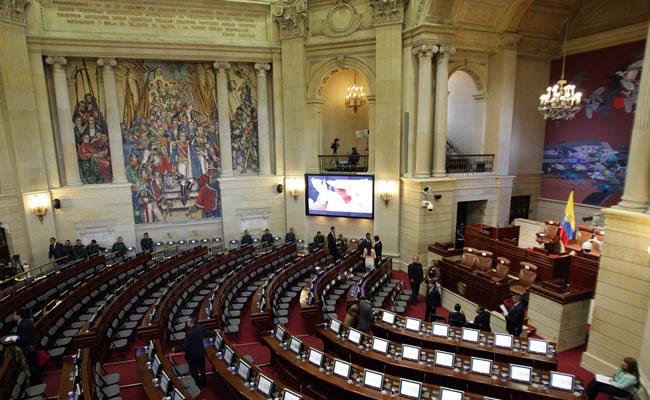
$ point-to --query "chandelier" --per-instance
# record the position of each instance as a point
(355, 98)
(561, 100)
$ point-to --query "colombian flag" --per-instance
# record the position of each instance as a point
(568, 223)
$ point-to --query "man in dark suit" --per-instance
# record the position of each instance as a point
(378, 247)
(27, 343)
(515, 317)
(119, 247)
(457, 318)
(331, 242)
(146, 244)
(93, 249)
(246, 239)
(415, 278)
(69, 250)
(79, 250)
(290, 237)
(365, 315)
(367, 242)
(482, 318)
(267, 237)
(194, 350)
(432, 299)
(57, 251)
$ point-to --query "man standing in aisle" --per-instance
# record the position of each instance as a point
(365, 315)
(146, 244)
(57, 251)
(331, 243)
(515, 317)
(27, 342)
(378, 247)
(194, 350)
(415, 278)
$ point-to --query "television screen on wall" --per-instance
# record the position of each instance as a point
(340, 195)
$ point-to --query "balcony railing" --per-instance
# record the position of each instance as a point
(343, 163)
(470, 164)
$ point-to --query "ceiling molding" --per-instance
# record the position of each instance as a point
(613, 37)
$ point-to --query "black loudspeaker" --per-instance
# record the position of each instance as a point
(279, 188)
(56, 203)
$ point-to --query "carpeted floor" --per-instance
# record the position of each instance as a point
(248, 343)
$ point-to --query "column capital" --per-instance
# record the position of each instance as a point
(221, 66)
(291, 17)
(387, 11)
(262, 68)
(57, 62)
(14, 11)
(107, 63)
(425, 50)
(445, 52)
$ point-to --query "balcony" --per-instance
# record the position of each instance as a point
(343, 164)
(470, 164)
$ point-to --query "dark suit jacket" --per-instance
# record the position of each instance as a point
(458, 317)
(416, 273)
(26, 340)
(146, 244)
(365, 316)
(378, 246)
(290, 237)
(193, 344)
(57, 251)
(331, 243)
(267, 238)
(432, 298)
(483, 320)
(246, 239)
(79, 251)
(515, 319)
(120, 248)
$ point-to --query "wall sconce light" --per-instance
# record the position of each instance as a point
(386, 191)
(39, 205)
(294, 187)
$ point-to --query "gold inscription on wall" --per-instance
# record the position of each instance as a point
(219, 22)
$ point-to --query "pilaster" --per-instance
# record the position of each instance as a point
(440, 124)
(224, 118)
(113, 120)
(425, 53)
(263, 135)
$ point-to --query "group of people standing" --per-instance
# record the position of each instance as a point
(65, 253)
(433, 294)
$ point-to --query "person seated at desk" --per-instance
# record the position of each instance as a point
(624, 383)
(119, 247)
(290, 237)
(457, 318)
(146, 244)
(482, 320)
(246, 239)
(267, 237)
(319, 239)
(340, 244)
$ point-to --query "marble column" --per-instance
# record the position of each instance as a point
(424, 143)
(440, 123)
(224, 118)
(263, 136)
(637, 176)
(113, 120)
(64, 111)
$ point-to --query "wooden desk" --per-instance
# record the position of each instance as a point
(367, 280)
(404, 335)
(453, 378)
(146, 376)
(334, 385)
(65, 383)
(472, 286)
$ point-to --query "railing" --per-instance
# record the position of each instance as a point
(343, 163)
(470, 164)
(31, 273)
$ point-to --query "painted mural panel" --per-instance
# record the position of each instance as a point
(170, 134)
(590, 153)
(242, 102)
(89, 124)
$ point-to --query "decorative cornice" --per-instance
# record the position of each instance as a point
(387, 11)
(509, 41)
(13, 10)
(291, 17)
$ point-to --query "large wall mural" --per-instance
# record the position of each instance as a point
(170, 131)
(589, 154)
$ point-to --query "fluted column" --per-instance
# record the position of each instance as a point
(66, 130)
(113, 120)
(637, 176)
(440, 123)
(263, 136)
(224, 118)
(424, 135)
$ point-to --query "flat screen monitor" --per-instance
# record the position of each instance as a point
(164, 382)
(218, 341)
(279, 333)
(152, 350)
(315, 357)
(155, 366)
(243, 370)
(379, 345)
(228, 356)
(341, 195)
(354, 336)
(481, 366)
(444, 359)
(410, 352)
(471, 335)
(335, 325)
(342, 369)
(503, 340)
(450, 394)
(413, 324)
(409, 388)
(537, 346)
(441, 330)
(388, 317)
(264, 385)
(373, 379)
(295, 345)
(289, 395)
(520, 373)
(178, 395)
(562, 381)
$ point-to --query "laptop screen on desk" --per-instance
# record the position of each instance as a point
(562, 381)
(444, 359)
(441, 330)
(481, 366)
(379, 345)
(413, 324)
(373, 379)
(537, 346)
(471, 335)
(408, 388)
(503, 340)
(388, 317)
(410, 352)
(450, 394)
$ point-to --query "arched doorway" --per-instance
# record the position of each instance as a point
(465, 114)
